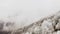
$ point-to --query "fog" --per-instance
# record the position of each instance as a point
(25, 12)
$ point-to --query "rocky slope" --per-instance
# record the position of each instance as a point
(48, 25)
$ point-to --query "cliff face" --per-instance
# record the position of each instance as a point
(48, 25)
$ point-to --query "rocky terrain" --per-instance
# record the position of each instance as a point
(47, 25)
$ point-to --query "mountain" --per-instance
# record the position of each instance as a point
(47, 25)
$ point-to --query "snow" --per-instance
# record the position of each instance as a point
(25, 12)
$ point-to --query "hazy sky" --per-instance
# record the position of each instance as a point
(24, 11)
